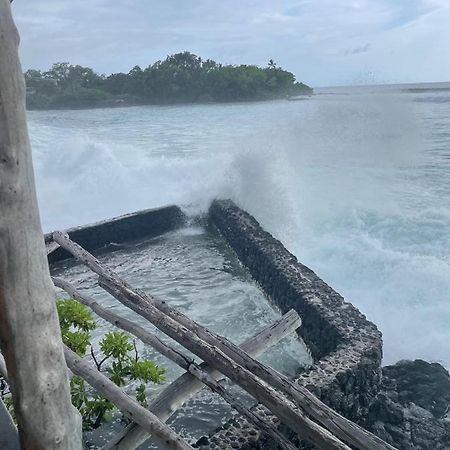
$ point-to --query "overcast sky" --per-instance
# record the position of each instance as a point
(324, 42)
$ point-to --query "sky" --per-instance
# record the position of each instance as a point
(323, 42)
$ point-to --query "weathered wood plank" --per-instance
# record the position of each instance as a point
(273, 400)
(341, 427)
(103, 385)
(186, 386)
(177, 357)
(30, 337)
(51, 247)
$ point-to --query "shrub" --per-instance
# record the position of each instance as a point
(120, 362)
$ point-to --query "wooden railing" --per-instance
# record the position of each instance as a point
(294, 405)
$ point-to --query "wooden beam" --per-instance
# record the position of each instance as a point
(30, 337)
(344, 429)
(104, 386)
(186, 386)
(178, 358)
(269, 397)
(341, 427)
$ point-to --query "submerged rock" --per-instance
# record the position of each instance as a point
(410, 410)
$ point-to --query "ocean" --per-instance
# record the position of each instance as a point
(354, 181)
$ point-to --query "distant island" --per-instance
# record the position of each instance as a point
(180, 78)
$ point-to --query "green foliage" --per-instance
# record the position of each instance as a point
(116, 344)
(147, 371)
(78, 341)
(120, 362)
(95, 411)
(76, 322)
(72, 313)
(180, 78)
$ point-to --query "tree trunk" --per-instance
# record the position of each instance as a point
(30, 337)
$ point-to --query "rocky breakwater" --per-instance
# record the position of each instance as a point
(346, 347)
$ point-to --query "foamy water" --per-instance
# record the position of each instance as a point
(356, 185)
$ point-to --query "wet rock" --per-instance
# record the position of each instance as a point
(410, 410)
(427, 385)
(203, 441)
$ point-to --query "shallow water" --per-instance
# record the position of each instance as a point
(356, 183)
(200, 276)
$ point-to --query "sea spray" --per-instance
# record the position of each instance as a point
(356, 186)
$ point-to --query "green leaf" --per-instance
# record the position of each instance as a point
(77, 391)
(146, 371)
(118, 373)
(116, 344)
(73, 313)
(77, 341)
(94, 413)
(141, 397)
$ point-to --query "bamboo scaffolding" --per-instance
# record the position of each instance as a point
(178, 358)
(268, 396)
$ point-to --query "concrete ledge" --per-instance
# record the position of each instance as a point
(346, 347)
(142, 224)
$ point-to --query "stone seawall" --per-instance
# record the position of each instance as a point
(406, 404)
(143, 224)
(346, 347)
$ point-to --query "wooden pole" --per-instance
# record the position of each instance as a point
(103, 385)
(186, 386)
(30, 337)
(181, 360)
(341, 427)
(269, 397)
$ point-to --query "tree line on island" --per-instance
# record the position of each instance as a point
(180, 78)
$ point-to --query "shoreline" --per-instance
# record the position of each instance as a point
(203, 103)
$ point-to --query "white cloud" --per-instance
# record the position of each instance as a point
(326, 42)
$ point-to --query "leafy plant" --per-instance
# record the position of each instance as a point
(120, 362)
